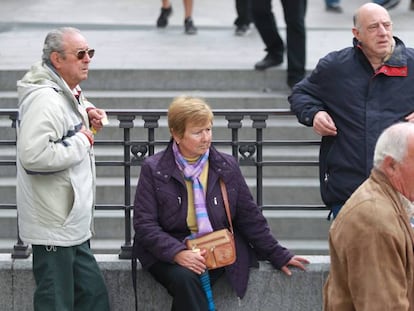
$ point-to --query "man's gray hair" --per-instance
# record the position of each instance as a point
(54, 42)
(393, 142)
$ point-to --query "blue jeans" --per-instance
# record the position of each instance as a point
(335, 209)
(331, 2)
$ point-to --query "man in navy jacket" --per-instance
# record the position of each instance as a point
(351, 96)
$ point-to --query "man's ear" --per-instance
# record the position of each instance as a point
(355, 32)
(388, 165)
(55, 59)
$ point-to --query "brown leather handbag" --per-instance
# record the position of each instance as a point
(220, 247)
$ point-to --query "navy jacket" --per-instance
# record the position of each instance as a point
(362, 103)
(160, 212)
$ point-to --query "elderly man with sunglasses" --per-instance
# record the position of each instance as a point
(56, 175)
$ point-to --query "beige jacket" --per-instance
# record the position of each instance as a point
(55, 188)
(371, 248)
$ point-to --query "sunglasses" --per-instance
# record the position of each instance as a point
(80, 54)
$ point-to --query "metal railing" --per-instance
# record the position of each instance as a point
(249, 152)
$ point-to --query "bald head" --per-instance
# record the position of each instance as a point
(373, 32)
(367, 12)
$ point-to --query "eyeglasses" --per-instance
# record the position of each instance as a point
(374, 27)
(80, 54)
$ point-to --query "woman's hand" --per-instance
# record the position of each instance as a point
(193, 260)
(297, 262)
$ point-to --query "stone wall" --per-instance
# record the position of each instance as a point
(268, 288)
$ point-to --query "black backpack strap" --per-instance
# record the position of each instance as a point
(134, 280)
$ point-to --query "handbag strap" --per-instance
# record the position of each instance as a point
(226, 203)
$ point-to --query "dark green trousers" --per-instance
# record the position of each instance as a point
(68, 279)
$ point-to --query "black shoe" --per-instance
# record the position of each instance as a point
(242, 30)
(388, 4)
(162, 21)
(189, 27)
(334, 8)
(412, 5)
(267, 62)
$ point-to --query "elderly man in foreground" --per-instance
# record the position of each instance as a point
(371, 241)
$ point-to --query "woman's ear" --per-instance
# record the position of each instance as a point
(174, 136)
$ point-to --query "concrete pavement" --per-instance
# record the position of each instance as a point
(124, 33)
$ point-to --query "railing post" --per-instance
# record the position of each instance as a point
(127, 122)
(151, 123)
(234, 123)
(259, 123)
(20, 250)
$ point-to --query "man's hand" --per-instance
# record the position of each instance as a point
(323, 124)
(97, 118)
(88, 134)
(410, 117)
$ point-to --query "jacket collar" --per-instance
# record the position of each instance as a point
(396, 65)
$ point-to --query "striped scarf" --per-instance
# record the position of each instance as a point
(192, 173)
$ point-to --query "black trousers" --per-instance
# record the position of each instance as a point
(294, 13)
(68, 278)
(243, 9)
(183, 285)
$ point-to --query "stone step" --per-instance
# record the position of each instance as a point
(277, 128)
(8, 173)
(160, 99)
(285, 224)
(284, 191)
(170, 79)
(113, 246)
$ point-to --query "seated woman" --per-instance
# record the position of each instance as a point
(184, 175)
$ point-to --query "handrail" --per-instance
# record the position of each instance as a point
(249, 152)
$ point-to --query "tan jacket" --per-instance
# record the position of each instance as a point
(371, 248)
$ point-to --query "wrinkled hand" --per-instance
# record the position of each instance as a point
(410, 117)
(323, 124)
(88, 134)
(193, 260)
(96, 117)
(295, 261)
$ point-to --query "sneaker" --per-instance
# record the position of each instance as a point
(388, 4)
(334, 8)
(242, 30)
(267, 62)
(162, 21)
(189, 27)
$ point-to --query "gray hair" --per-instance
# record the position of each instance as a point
(393, 142)
(54, 42)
